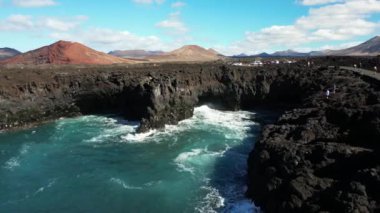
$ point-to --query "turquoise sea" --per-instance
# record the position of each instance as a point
(99, 164)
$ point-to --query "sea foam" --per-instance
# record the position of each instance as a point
(15, 161)
(124, 184)
(234, 125)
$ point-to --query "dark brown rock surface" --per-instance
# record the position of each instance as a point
(322, 156)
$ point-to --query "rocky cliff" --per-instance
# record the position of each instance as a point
(322, 155)
(155, 94)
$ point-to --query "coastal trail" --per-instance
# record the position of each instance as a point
(363, 72)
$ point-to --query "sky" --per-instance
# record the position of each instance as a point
(229, 26)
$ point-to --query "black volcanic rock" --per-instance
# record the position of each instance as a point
(8, 53)
(155, 94)
(324, 154)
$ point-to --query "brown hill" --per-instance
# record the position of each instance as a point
(188, 53)
(64, 52)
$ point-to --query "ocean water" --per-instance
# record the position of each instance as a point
(99, 164)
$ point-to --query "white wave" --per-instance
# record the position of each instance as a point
(41, 189)
(138, 137)
(111, 132)
(232, 124)
(188, 161)
(125, 185)
(181, 160)
(12, 163)
(15, 161)
(111, 127)
(211, 202)
(25, 149)
(91, 120)
(153, 183)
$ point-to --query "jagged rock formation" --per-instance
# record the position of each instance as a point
(323, 155)
(156, 94)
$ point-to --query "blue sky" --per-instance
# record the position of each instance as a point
(229, 26)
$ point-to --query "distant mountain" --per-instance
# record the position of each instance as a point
(263, 55)
(65, 52)
(8, 53)
(135, 54)
(289, 53)
(241, 55)
(368, 48)
(188, 53)
(317, 53)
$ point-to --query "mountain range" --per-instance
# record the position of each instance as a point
(368, 48)
(65, 52)
(185, 53)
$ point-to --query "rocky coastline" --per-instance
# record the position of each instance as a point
(156, 94)
(321, 155)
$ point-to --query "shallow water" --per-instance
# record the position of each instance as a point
(99, 164)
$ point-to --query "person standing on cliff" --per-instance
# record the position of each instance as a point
(327, 94)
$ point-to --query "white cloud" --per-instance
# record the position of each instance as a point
(318, 2)
(173, 25)
(34, 3)
(178, 4)
(149, 1)
(107, 39)
(59, 25)
(339, 21)
(28, 23)
(340, 46)
(17, 23)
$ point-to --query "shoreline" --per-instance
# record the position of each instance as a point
(168, 94)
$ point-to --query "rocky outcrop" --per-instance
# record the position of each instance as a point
(155, 94)
(324, 154)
